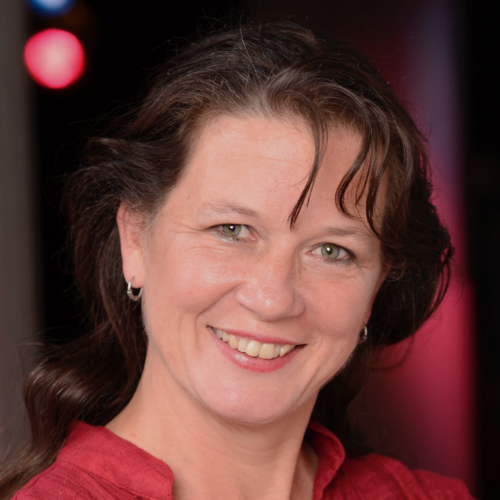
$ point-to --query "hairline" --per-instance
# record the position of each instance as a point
(293, 118)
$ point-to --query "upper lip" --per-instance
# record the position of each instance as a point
(263, 339)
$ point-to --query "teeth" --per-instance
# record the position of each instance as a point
(254, 348)
(277, 349)
(266, 351)
(284, 349)
(233, 341)
(242, 345)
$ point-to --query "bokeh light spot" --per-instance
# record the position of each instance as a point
(51, 7)
(54, 58)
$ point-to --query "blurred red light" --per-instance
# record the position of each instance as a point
(54, 58)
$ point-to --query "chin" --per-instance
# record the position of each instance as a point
(248, 407)
(250, 416)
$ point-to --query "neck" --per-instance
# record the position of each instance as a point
(212, 458)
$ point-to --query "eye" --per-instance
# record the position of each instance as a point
(332, 252)
(232, 230)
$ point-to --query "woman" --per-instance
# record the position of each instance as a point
(244, 241)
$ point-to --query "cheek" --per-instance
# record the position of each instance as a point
(181, 281)
(338, 311)
(340, 304)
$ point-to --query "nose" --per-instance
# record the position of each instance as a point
(271, 288)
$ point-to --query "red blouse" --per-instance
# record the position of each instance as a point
(95, 464)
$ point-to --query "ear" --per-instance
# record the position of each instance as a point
(132, 245)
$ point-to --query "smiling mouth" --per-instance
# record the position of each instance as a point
(253, 348)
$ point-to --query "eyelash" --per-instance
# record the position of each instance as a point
(236, 239)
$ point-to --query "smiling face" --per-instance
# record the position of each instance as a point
(222, 272)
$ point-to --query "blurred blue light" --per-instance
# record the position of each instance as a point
(51, 7)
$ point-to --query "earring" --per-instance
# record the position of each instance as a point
(363, 335)
(130, 294)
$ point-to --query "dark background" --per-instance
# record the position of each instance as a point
(124, 44)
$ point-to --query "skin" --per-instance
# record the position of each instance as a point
(195, 407)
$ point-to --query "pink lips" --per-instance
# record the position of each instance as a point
(263, 339)
(248, 362)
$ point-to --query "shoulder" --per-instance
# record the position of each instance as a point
(64, 480)
(60, 481)
(95, 464)
(375, 473)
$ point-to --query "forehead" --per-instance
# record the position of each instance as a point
(257, 167)
(262, 154)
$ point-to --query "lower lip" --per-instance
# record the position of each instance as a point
(248, 362)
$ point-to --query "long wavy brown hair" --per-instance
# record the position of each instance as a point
(279, 70)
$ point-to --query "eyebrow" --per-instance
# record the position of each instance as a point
(343, 231)
(358, 233)
(228, 208)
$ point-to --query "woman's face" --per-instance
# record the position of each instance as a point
(221, 261)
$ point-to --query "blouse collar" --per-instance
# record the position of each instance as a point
(102, 453)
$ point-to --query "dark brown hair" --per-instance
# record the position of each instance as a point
(279, 70)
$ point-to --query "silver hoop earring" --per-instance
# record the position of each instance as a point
(363, 336)
(130, 293)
